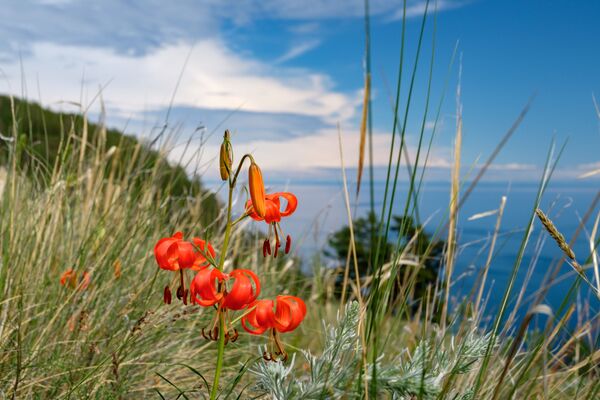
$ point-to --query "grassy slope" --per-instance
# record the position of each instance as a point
(113, 339)
(46, 134)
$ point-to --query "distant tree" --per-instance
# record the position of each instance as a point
(366, 236)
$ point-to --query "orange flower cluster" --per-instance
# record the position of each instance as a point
(239, 289)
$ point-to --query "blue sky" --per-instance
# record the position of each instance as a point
(283, 74)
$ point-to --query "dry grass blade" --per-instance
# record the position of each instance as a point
(539, 309)
(589, 174)
(455, 185)
(594, 252)
(351, 227)
(363, 132)
(490, 255)
(357, 288)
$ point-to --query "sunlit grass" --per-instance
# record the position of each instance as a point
(100, 206)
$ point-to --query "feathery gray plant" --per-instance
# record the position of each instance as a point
(335, 373)
(330, 373)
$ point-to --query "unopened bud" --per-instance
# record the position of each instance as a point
(257, 190)
(225, 157)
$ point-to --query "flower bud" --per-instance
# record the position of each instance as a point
(257, 190)
(225, 157)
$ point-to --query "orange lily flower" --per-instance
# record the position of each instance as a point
(282, 315)
(209, 288)
(273, 215)
(175, 254)
(70, 277)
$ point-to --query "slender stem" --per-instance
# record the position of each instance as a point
(221, 345)
(240, 219)
(227, 231)
(220, 352)
(239, 168)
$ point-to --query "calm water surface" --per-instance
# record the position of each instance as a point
(322, 210)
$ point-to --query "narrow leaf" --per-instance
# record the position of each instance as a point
(363, 131)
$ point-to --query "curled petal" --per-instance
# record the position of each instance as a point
(257, 331)
(161, 253)
(289, 313)
(284, 316)
(292, 203)
(174, 253)
(260, 318)
(272, 204)
(272, 213)
(242, 292)
(251, 212)
(68, 276)
(85, 280)
(181, 254)
(203, 290)
(206, 249)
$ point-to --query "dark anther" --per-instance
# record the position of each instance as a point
(288, 244)
(266, 356)
(167, 295)
(185, 297)
(268, 246)
(180, 291)
(226, 338)
(234, 336)
(276, 249)
(216, 333)
(265, 245)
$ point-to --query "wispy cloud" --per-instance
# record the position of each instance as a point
(215, 77)
(513, 167)
(298, 50)
(325, 9)
(133, 28)
(417, 8)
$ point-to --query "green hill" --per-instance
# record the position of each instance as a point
(51, 143)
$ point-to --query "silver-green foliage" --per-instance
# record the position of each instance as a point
(336, 373)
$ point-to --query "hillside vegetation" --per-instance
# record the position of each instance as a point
(49, 142)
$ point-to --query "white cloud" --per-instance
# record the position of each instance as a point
(513, 167)
(417, 8)
(246, 11)
(215, 77)
(304, 153)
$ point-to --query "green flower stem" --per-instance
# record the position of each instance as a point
(221, 345)
(220, 353)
